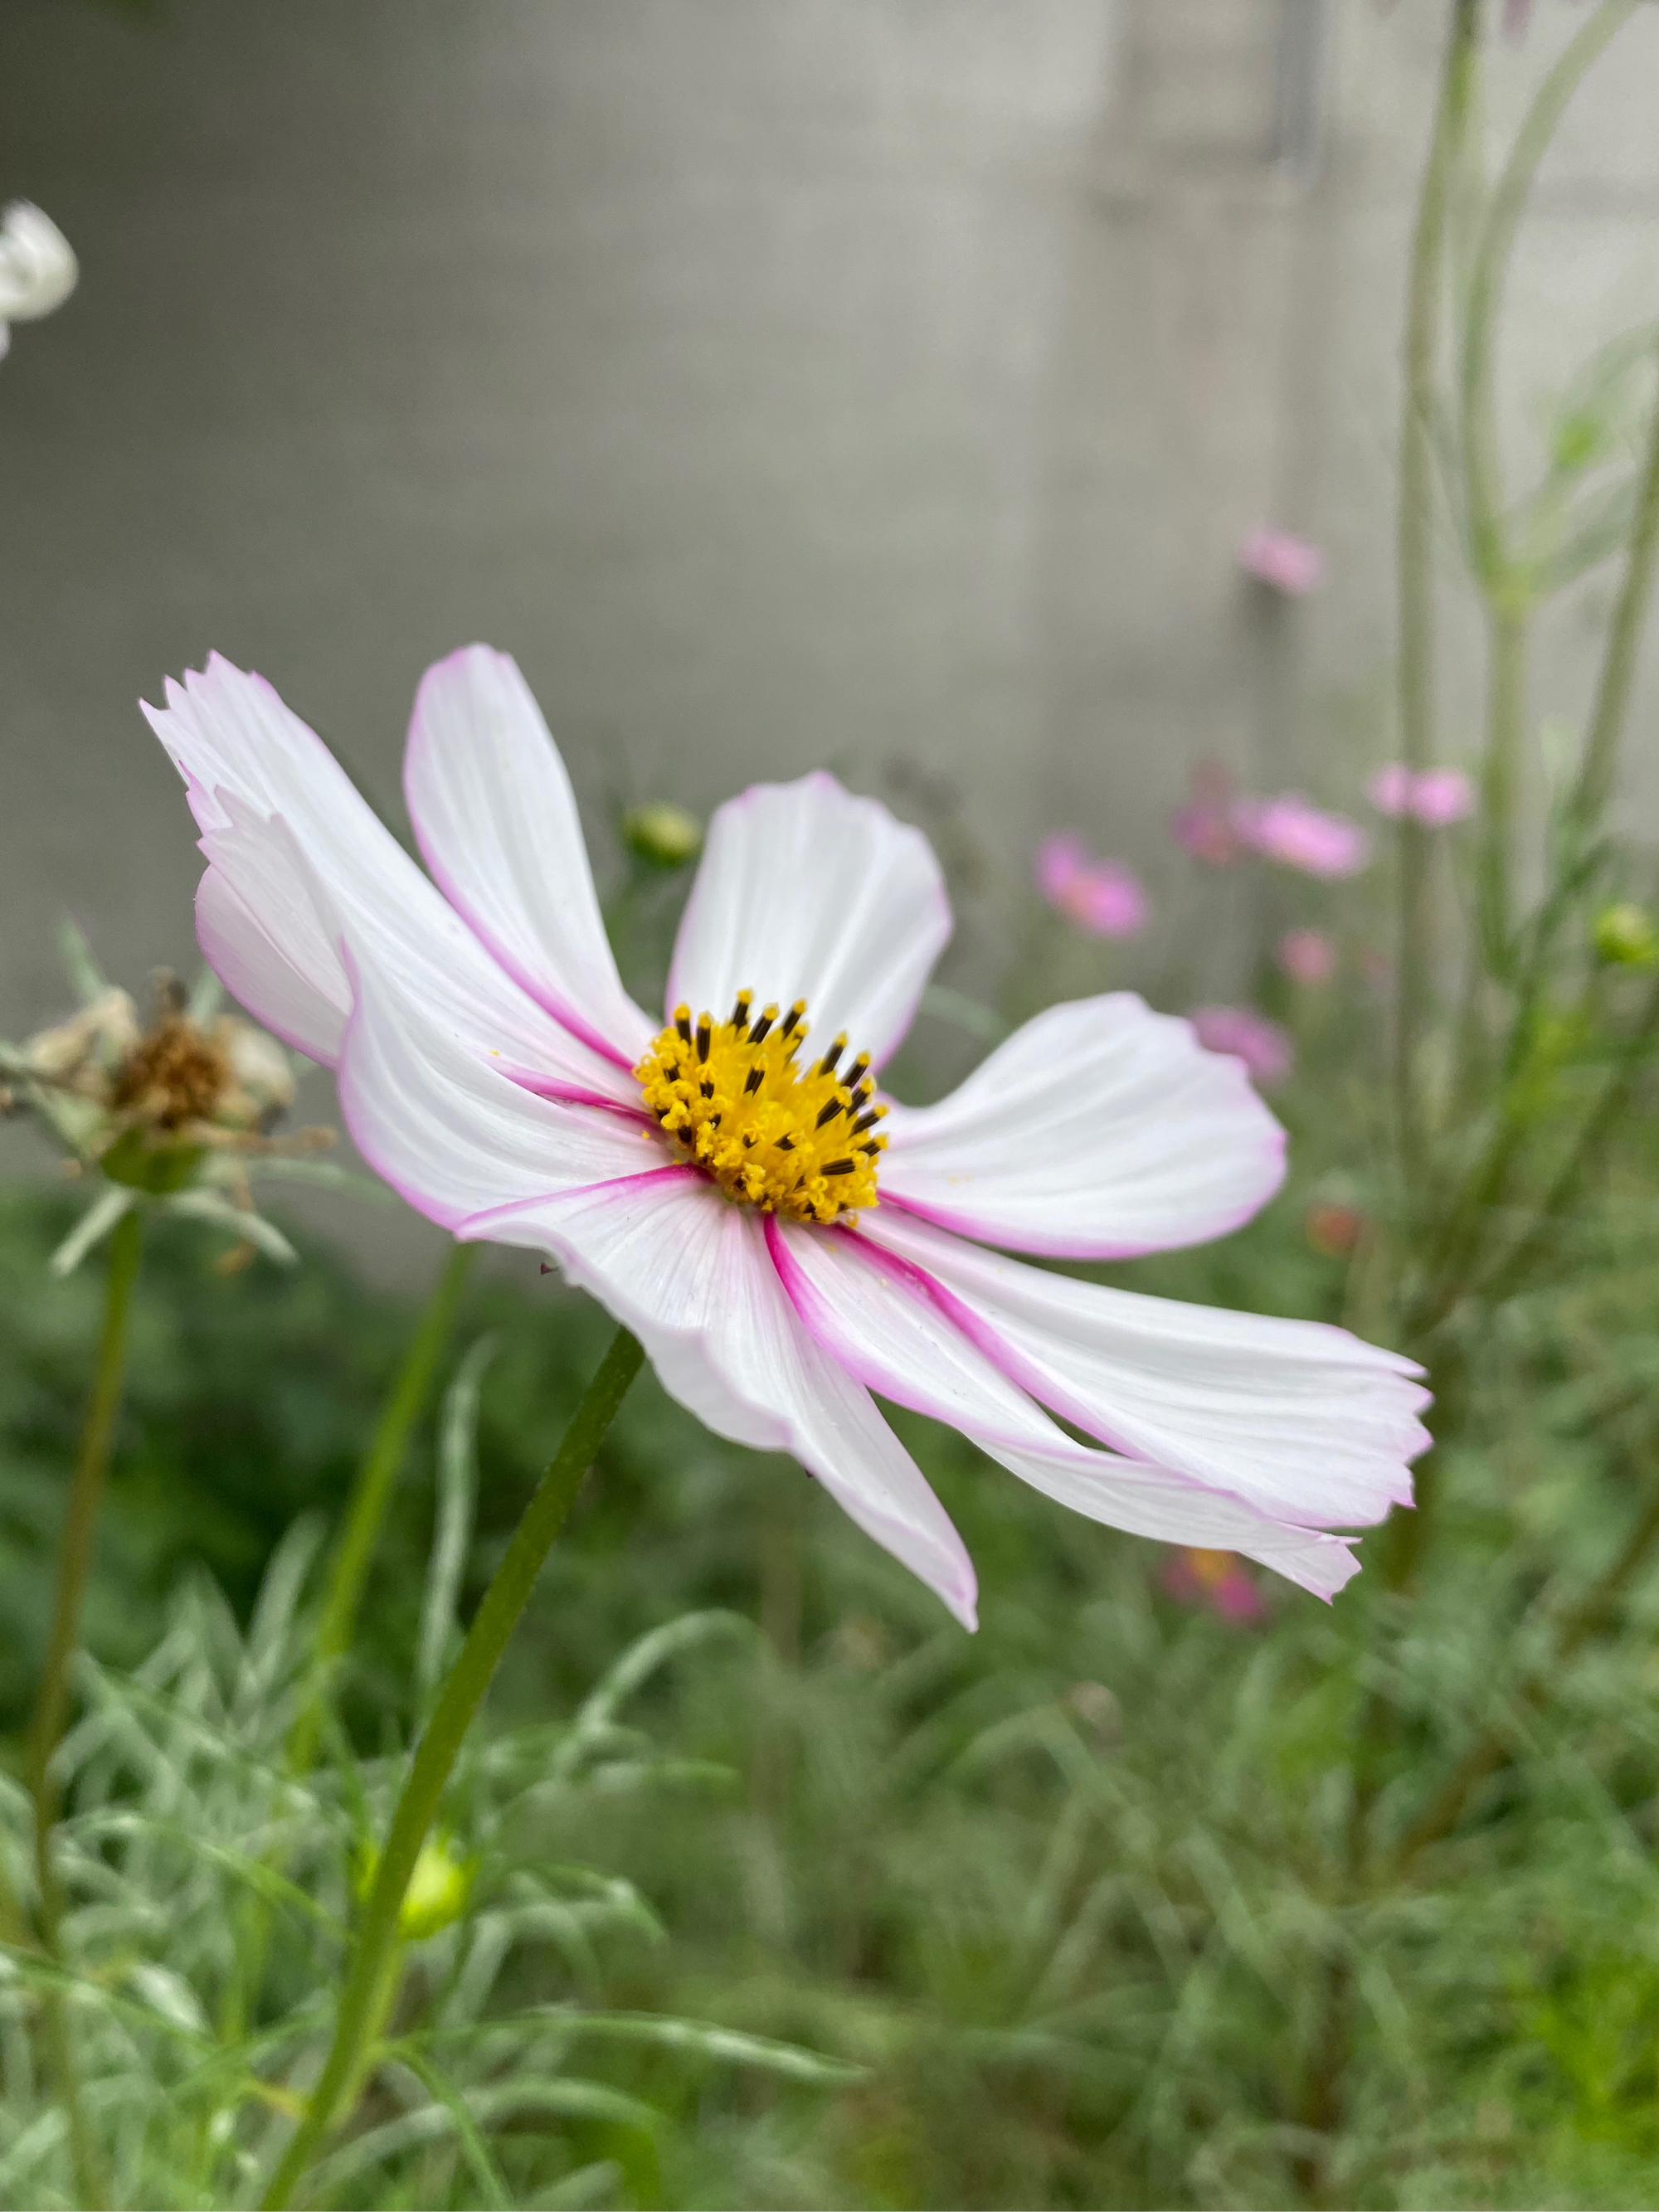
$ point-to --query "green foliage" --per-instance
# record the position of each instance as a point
(1067, 1896)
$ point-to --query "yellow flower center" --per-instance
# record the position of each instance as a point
(736, 1099)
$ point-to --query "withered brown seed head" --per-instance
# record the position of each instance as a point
(174, 1075)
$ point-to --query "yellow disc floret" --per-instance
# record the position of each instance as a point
(773, 1127)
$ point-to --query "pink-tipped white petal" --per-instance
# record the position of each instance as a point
(496, 821)
(1098, 1130)
(443, 1124)
(1303, 1420)
(690, 1275)
(807, 892)
(304, 865)
(890, 1324)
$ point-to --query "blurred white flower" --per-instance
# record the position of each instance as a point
(38, 268)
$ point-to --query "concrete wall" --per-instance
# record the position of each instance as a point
(782, 380)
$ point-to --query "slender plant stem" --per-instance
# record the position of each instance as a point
(1484, 302)
(1624, 643)
(1500, 776)
(74, 1558)
(51, 1702)
(1507, 593)
(462, 1694)
(1415, 558)
(372, 1492)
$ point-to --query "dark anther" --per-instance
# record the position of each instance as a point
(840, 1167)
(829, 1113)
(827, 1064)
(683, 1023)
(754, 1079)
(872, 1152)
(860, 1097)
(740, 1012)
(763, 1025)
(786, 1144)
(860, 1067)
(706, 1087)
(703, 1038)
(867, 1121)
(793, 1016)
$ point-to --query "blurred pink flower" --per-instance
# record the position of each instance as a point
(1281, 561)
(1307, 955)
(1265, 1049)
(1294, 832)
(1215, 1579)
(1104, 897)
(1435, 797)
(1516, 15)
(1204, 827)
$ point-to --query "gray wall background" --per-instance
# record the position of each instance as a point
(783, 381)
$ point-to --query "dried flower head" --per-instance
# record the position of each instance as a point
(180, 1110)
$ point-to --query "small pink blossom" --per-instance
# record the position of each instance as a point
(1281, 561)
(1297, 834)
(1215, 1579)
(1435, 797)
(1265, 1049)
(1204, 827)
(1104, 897)
(1307, 955)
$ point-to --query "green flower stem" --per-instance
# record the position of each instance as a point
(1484, 302)
(462, 1694)
(1506, 728)
(1624, 642)
(1506, 593)
(1415, 559)
(372, 1492)
(74, 1558)
(52, 1703)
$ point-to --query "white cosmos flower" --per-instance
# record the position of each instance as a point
(722, 1185)
(38, 269)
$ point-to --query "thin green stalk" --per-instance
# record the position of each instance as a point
(462, 1694)
(1415, 558)
(372, 1492)
(1506, 591)
(1484, 305)
(51, 1702)
(1624, 643)
(1500, 777)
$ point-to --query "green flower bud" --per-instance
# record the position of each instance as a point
(1625, 936)
(437, 1892)
(663, 836)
